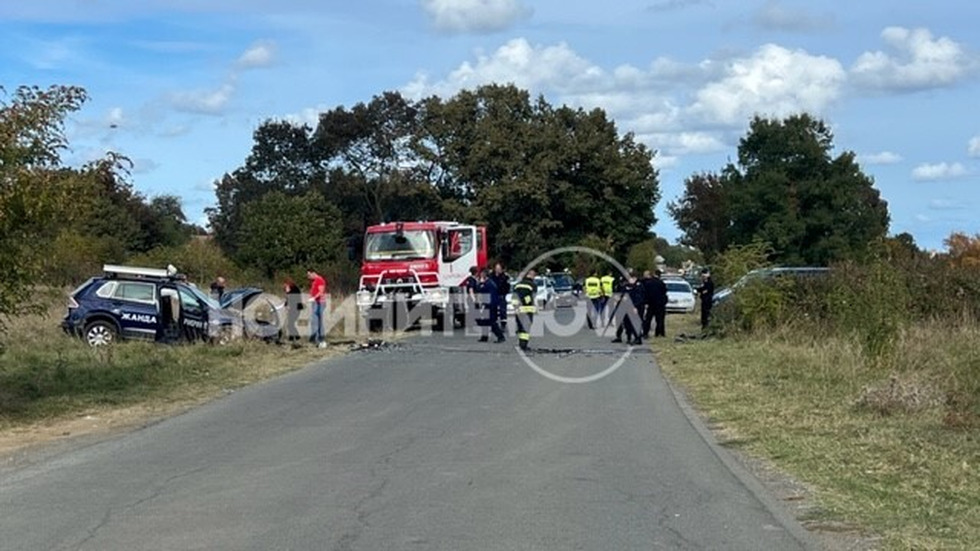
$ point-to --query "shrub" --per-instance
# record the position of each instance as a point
(868, 301)
(200, 258)
(739, 260)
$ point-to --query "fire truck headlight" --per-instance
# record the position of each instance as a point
(439, 295)
(364, 298)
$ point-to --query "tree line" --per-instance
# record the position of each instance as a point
(57, 222)
(539, 176)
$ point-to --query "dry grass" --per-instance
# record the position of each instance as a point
(46, 376)
(890, 444)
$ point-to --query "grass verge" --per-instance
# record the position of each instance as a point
(882, 444)
(46, 376)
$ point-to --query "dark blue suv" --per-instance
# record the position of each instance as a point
(144, 303)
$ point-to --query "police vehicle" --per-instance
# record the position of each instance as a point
(129, 302)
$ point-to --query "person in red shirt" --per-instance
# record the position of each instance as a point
(318, 296)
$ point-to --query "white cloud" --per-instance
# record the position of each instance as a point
(203, 102)
(881, 158)
(309, 116)
(481, 16)
(775, 16)
(260, 54)
(656, 102)
(917, 62)
(973, 147)
(939, 171)
(555, 68)
(922, 218)
(684, 143)
(773, 81)
(215, 101)
(115, 117)
(664, 162)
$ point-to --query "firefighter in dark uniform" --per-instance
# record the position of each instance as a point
(489, 302)
(524, 293)
(706, 292)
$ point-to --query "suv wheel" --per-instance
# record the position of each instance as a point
(100, 333)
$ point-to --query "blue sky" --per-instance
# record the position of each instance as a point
(179, 85)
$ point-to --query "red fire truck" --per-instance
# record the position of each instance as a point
(417, 268)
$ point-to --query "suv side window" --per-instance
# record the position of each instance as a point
(135, 291)
(105, 291)
(188, 301)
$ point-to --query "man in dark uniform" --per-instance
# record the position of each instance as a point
(469, 286)
(489, 301)
(525, 292)
(631, 299)
(706, 292)
(502, 281)
(655, 293)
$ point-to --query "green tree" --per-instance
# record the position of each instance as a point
(787, 190)
(36, 193)
(282, 159)
(373, 164)
(791, 192)
(540, 177)
(282, 233)
(702, 214)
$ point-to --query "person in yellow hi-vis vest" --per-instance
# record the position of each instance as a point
(608, 285)
(593, 291)
(524, 293)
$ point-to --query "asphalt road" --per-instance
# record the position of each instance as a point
(440, 443)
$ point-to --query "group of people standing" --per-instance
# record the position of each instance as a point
(487, 291)
(638, 305)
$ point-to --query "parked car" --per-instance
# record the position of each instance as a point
(129, 302)
(566, 294)
(546, 292)
(768, 274)
(544, 299)
(680, 295)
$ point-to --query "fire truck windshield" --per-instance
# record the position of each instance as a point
(408, 245)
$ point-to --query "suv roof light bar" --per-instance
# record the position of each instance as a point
(112, 270)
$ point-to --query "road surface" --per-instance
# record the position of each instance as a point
(439, 443)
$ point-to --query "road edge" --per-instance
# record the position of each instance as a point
(745, 477)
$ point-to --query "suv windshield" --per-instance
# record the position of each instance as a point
(413, 244)
(213, 304)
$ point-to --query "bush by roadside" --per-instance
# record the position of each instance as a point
(886, 449)
(865, 384)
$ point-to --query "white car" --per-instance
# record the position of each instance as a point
(543, 300)
(680, 296)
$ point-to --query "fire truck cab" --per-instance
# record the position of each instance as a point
(417, 268)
